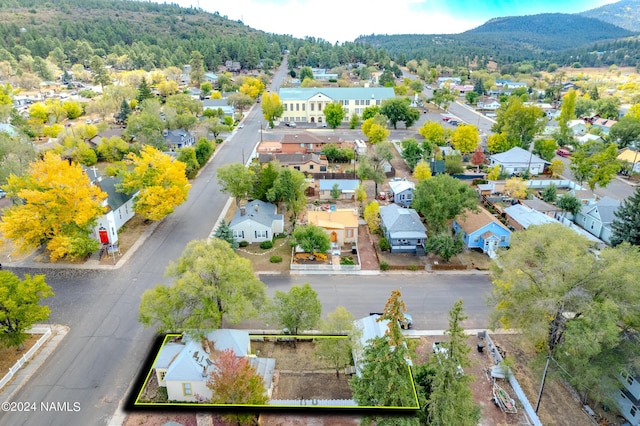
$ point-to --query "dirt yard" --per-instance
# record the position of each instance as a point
(9, 356)
(300, 374)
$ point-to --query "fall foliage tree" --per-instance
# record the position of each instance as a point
(161, 182)
(433, 132)
(20, 306)
(422, 170)
(235, 381)
(465, 138)
(372, 216)
(272, 108)
(253, 87)
(556, 167)
(497, 143)
(516, 187)
(59, 209)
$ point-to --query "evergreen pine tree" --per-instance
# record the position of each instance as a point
(451, 400)
(125, 111)
(144, 91)
(626, 225)
(224, 232)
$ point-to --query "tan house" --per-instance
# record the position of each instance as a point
(306, 163)
(341, 224)
(307, 143)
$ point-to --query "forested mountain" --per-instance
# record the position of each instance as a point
(625, 14)
(540, 38)
(135, 34)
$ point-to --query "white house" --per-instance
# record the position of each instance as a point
(578, 127)
(306, 105)
(518, 160)
(118, 206)
(185, 365)
(488, 103)
(256, 222)
(402, 192)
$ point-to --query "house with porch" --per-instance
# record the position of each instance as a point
(184, 366)
(488, 103)
(403, 229)
(518, 160)
(347, 188)
(596, 218)
(340, 224)
(482, 230)
(402, 192)
(256, 221)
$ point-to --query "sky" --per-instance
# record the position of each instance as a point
(345, 20)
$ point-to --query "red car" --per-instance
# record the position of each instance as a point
(382, 196)
(563, 153)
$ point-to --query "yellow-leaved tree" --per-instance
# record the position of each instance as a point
(516, 187)
(252, 86)
(60, 207)
(422, 171)
(161, 182)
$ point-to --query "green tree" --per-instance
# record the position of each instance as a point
(336, 352)
(297, 310)
(442, 198)
(411, 152)
(608, 107)
(204, 149)
(465, 138)
(567, 113)
(59, 208)
(584, 106)
(545, 148)
(197, 68)
(334, 114)
(370, 112)
(445, 246)
(240, 101)
(187, 155)
(453, 164)
(519, 123)
(289, 188)
(144, 91)
(306, 72)
(236, 180)
(100, 72)
(213, 286)
(16, 153)
(124, 113)
(184, 104)
(626, 132)
(596, 163)
(451, 400)
(265, 177)
(335, 191)
(399, 109)
(354, 121)
(443, 97)
(550, 194)
(572, 304)
(371, 166)
(626, 225)
(225, 233)
(312, 239)
(387, 79)
(216, 126)
(20, 306)
(471, 97)
(272, 108)
(570, 203)
(206, 89)
(385, 377)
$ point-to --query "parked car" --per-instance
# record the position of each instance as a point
(454, 122)
(563, 153)
(291, 123)
(3, 193)
(382, 196)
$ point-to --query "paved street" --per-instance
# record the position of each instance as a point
(96, 362)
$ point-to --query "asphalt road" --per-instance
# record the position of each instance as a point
(100, 356)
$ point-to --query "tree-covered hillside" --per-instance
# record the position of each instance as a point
(625, 14)
(545, 38)
(135, 34)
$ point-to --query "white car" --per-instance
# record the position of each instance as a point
(240, 126)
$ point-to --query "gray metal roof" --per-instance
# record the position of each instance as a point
(115, 198)
(258, 211)
(517, 155)
(337, 93)
(605, 209)
(401, 222)
(343, 184)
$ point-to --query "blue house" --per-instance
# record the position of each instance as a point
(402, 192)
(347, 188)
(482, 230)
(403, 229)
